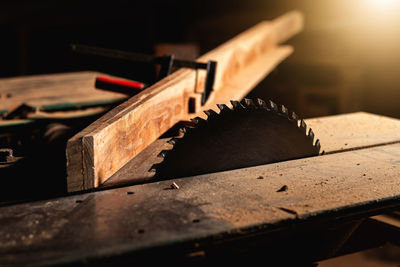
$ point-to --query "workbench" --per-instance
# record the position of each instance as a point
(298, 211)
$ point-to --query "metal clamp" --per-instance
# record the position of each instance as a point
(166, 62)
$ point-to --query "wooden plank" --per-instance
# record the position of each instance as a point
(66, 114)
(237, 56)
(127, 130)
(239, 86)
(54, 91)
(355, 130)
(137, 169)
(214, 207)
(8, 123)
(336, 133)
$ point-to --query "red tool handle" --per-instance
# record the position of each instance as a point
(119, 85)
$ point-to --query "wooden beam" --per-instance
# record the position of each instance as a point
(101, 149)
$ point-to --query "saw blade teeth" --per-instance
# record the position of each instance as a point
(294, 117)
(198, 120)
(182, 131)
(210, 113)
(318, 144)
(154, 167)
(248, 103)
(188, 129)
(176, 161)
(272, 106)
(303, 126)
(236, 105)
(284, 110)
(162, 153)
(173, 140)
(223, 107)
(261, 103)
(311, 134)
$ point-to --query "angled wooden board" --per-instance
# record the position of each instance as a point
(101, 149)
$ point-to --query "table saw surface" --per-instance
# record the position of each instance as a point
(357, 177)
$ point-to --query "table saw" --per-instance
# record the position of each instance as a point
(291, 200)
(323, 212)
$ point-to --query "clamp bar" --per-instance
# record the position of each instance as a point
(166, 62)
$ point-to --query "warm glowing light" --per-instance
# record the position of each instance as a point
(380, 5)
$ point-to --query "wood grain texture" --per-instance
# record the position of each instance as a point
(127, 130)
(53, 90)
(244, 51)
(355, 130)
(237, 87)
(336, 133)
(226, 205)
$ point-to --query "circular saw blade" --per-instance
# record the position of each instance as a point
(249, 134)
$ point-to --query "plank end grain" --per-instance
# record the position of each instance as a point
(75, 181)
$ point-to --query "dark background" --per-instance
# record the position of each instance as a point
(345, 60)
